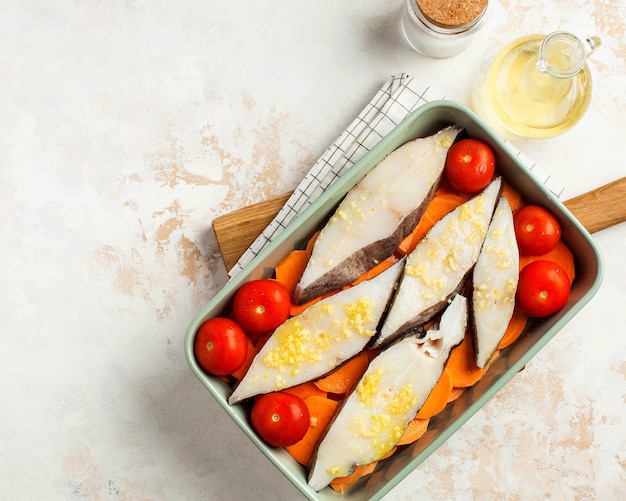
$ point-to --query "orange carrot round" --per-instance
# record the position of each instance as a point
(321, 410)
(417, 427)
(462, 365)
(455, 393)
(342, 484)
(289, 271)
(305, 390)
(344, 377)
(560, 255)
(438, 398)
(513, 196)
(376, 270)
(251, 353)
(515, 328)
(439, 207)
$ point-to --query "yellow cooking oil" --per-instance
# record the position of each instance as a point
(538, 89)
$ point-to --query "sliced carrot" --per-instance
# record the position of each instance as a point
(439, 207)
(296, 309)
(344, 377)
(462, 365)
(525, 260)
(305, 390)
(342, 484)
(390, 453)
(322, 411)
(311, 241)
(513, 196)
(446, 187)
(438, 398)
(515, 328)
(561, 255)
(241, 372)
(455, 393)
(376, 270)
(406, 245)
(417, 427)
(443, 204)
(290, 269)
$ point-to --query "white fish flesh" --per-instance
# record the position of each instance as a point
(495, 280)
(388, 396)
(438, 265)
(376, 215)
(322, 337)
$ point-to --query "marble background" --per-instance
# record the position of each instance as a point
(127, 126)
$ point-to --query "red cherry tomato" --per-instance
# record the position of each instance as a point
(543, 288)
(221, 346)
(260, 306)
(280, 418)
(537, 231)
(470, 165)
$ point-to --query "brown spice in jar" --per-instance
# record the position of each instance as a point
(451, 13)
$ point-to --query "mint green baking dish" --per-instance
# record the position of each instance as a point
(589, 270)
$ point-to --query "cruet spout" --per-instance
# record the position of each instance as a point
(563, 54)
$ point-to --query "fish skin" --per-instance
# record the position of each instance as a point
(322, 337)
(374, 217)
(389, 395)
(437, 268)
(495, 278)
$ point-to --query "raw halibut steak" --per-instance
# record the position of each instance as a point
(322, 337)
(495, 278)
(388, 396)
(376, 215)
(437, 267)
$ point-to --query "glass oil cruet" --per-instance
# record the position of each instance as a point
(540, 86)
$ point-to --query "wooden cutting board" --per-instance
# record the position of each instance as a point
(596, 210)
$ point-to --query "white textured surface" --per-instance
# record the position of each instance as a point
(127, 126)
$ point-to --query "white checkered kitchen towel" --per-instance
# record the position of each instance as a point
(400, 95)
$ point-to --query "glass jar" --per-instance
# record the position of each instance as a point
(440, 28)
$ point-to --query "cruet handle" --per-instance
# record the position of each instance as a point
(563, 54)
